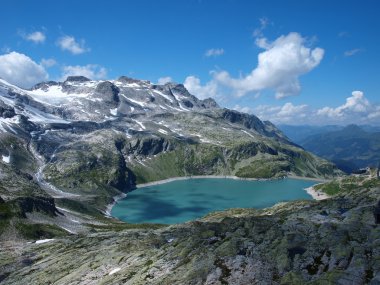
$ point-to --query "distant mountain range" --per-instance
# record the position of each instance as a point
(349, 147)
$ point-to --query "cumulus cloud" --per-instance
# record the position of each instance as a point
(242, 109)
(356, 110)
(36, 37)
(352, 52)
(193, 84)
(21, 70)
(279, 67)
(70, 44)
(164, 80)
(356, 104)
(92, 71)
(286, 113)
(48, 62)
(214, 52)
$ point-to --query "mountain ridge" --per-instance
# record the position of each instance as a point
(83, 142)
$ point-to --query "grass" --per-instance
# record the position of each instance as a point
(347, 184)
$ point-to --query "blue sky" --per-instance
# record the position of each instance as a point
(212, 47)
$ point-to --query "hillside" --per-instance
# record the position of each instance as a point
(350, 148)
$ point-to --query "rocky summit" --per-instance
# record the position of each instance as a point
(68, 148)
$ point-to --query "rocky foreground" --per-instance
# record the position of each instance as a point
(335, 241)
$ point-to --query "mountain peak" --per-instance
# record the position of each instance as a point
(77, 79)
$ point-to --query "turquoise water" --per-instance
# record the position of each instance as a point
(185, 200)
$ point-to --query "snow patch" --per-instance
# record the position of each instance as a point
(163, 95)
(113, 112)
(44, 240)
(54, 95)
(162, 131)
(140, 124)
(252, 136)
(142, 104)
(113, 271)
(6, 159)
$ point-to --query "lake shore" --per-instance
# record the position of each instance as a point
(310, 190)
(109, 207)
(317, 195)
(197, 177)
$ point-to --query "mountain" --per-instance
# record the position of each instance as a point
(70, 147)
(350, 148)
(298, 133)
(67, 148)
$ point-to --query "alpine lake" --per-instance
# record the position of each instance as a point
(189, 199)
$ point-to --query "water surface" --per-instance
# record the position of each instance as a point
(185, 200)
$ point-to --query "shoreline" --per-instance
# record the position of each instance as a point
(316, 195)
(107, 211)
(179, 178)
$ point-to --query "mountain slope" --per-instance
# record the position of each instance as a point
(350, 148)
(74, 145)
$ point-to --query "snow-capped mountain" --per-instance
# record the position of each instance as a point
(79, 98)
(106, 136)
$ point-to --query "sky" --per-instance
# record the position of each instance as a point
(290, 62)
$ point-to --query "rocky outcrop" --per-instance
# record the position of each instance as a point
(108, 92)
(41, 204)
(76, 79)
(148, 146)
(6, 111)
(209, 103)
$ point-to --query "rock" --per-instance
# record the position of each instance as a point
(108, 92)
(77, 79)
(6, 111)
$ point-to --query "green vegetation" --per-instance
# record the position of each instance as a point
(348, 184)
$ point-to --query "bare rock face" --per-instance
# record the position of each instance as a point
(6, 111)
(77, 79)
(108, 92)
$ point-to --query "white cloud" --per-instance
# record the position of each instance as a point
(92, 71)
(21, 70)
(36, 37)
(352, 52)
(70, 44)
(48, 62)
(193, 84)
(258, 32)
(164, 80)
(279, 67)
(356, 110)
(356, 104)
(287, 113)
(242, 109)
(214, 52)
